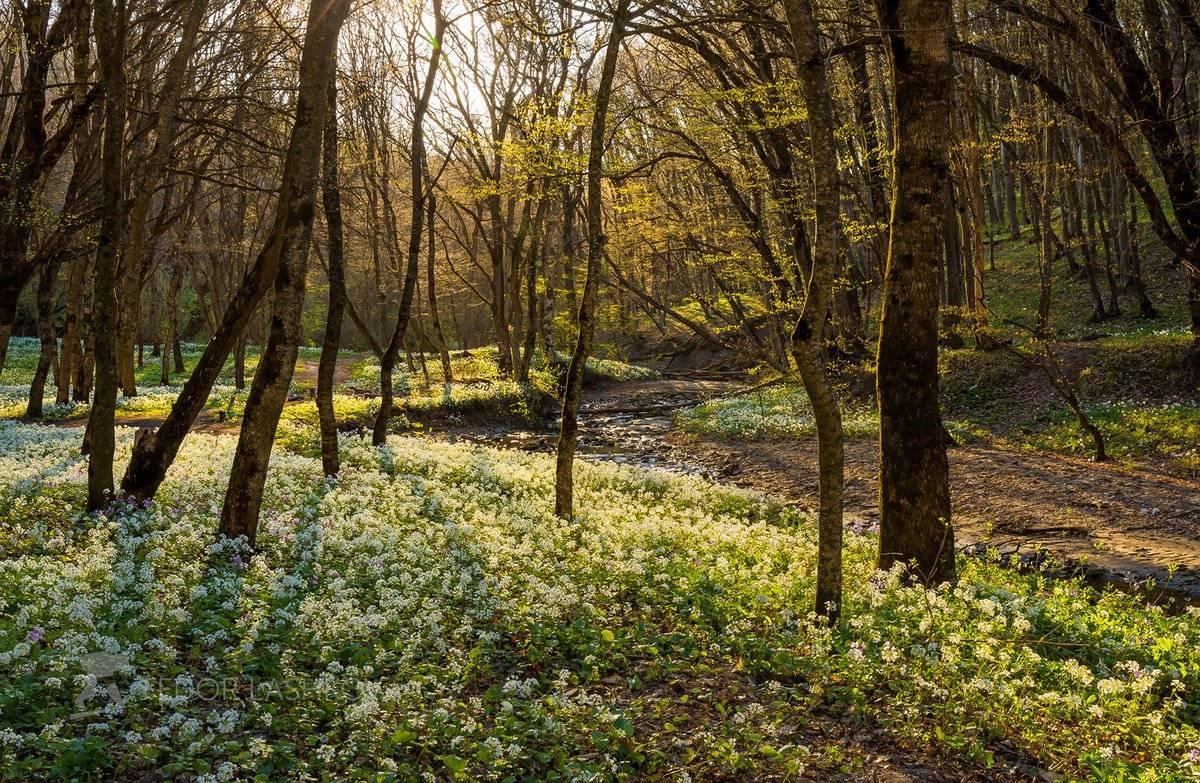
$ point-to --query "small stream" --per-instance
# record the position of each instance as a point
(623, 438)
(629, 431)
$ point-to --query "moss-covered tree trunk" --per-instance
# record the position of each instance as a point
(293, 231)
(564, 476)
(806, 336)
(110, 26)
(914, 485)
(332, 202)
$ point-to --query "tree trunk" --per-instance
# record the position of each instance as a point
(110, 24)
(431, 286)
(416, 225)
(332, 201)
(914, 492)
(239, 360)
(1045, 253)
(170, 336)
(294, 219)
(1145, 306)
(532, 303)
(570, 246)
(499, 291)
(85, 370)
(974, 179)
(71, 353)
(806, 336)
(49, 341)
(564, 478)
(952, 317)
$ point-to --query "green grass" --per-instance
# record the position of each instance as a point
(1137, 391)
(477, 388)
(975, 385)
(1153, 417)
(611, 369)
(151, 403)
(23, 355)
(1131, 430)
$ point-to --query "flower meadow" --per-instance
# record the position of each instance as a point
(426, 617)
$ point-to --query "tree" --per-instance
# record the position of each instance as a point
(806, 334)
(134, 260)
(111, 25)
(1139, 82)
(332, 203)
(288, 243)
(914, 482)
(564, 479)
(387, 360)
(155, 450)
(29, 150)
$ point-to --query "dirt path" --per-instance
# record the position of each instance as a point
(306, 373)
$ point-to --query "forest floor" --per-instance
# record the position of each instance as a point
(1117, 521)
(1122, 522)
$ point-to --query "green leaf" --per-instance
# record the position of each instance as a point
(454, 763)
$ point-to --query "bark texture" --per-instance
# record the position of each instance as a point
(110, 26)
(564, 477)
(332, 202)
(806, 336)
(48, 340)
(914, 492)
(294, 220)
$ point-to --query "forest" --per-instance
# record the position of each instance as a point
(600, 390)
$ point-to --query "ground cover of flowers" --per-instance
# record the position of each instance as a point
(427, 617)
(780, 411)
